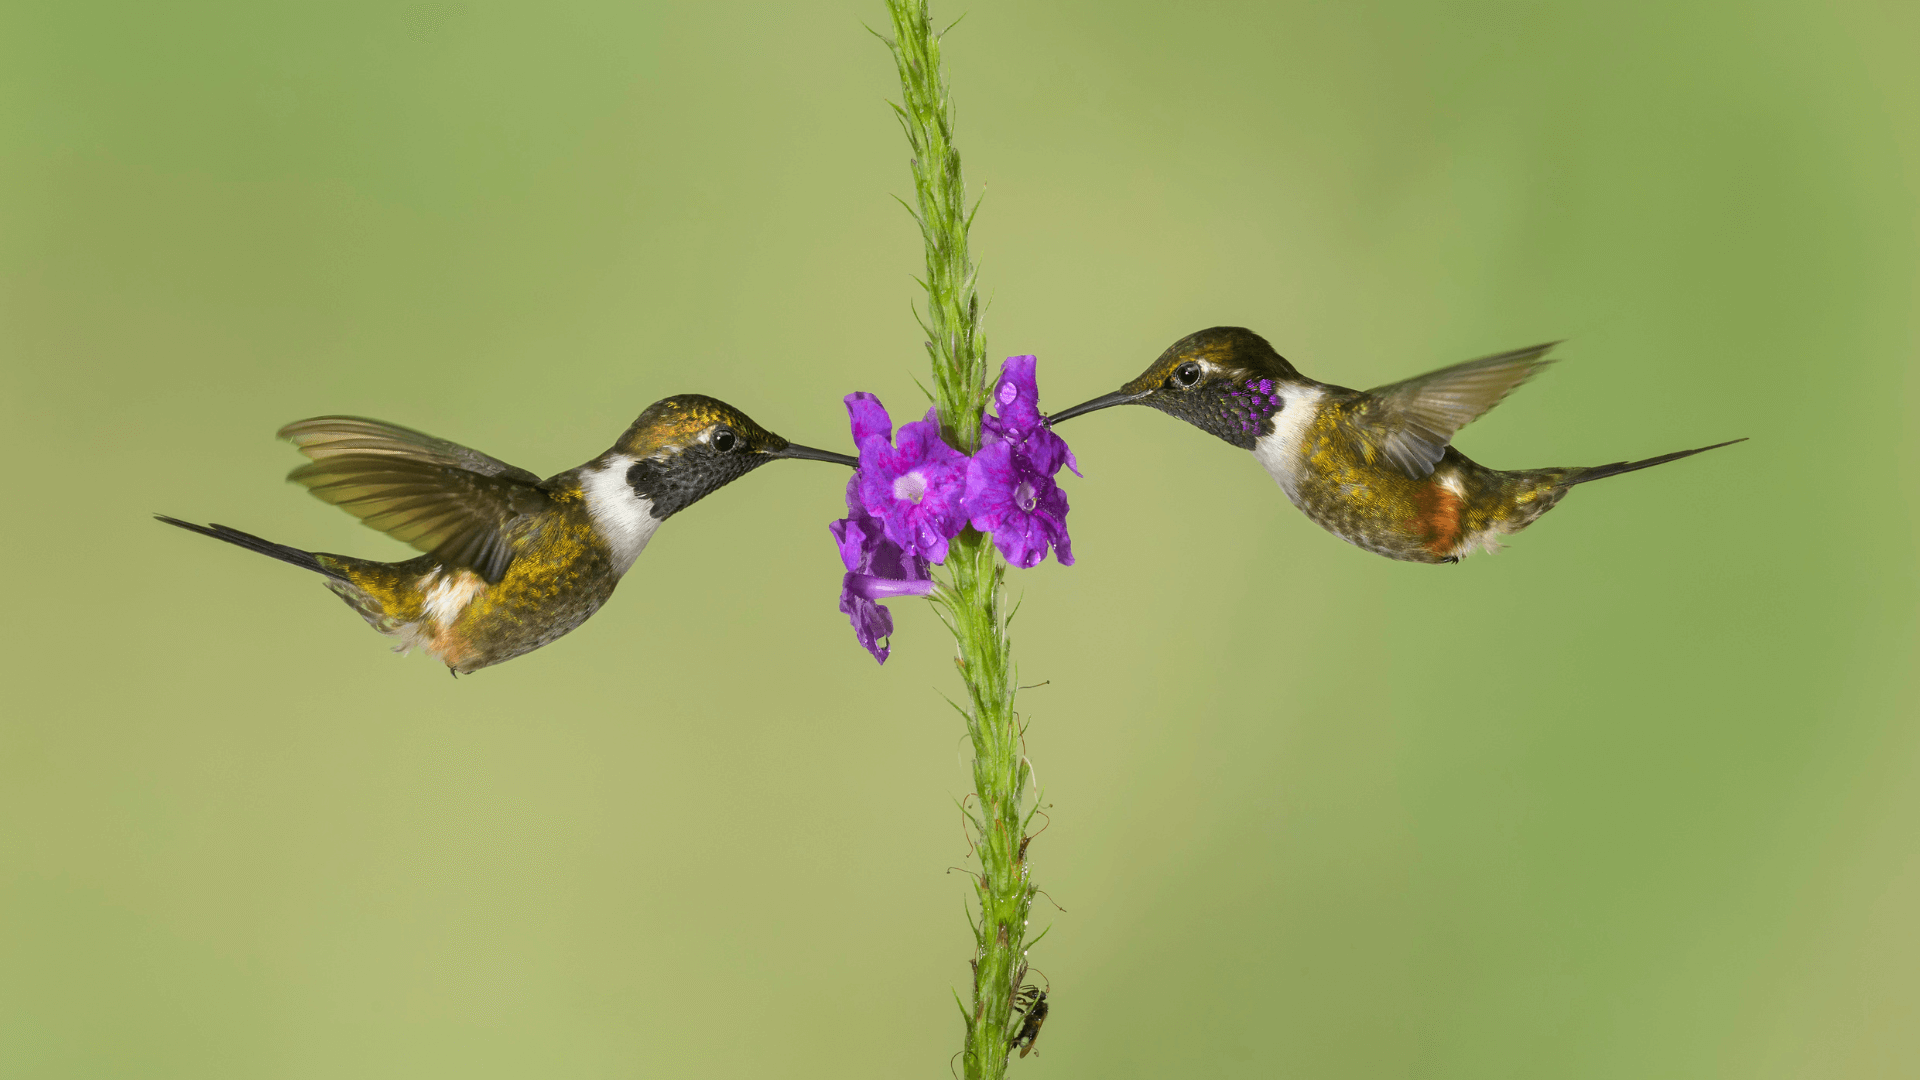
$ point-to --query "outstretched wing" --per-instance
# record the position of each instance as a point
(1413, 421)
(441, 497)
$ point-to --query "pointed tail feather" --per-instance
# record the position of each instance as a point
(306, 560)
(1601, 472)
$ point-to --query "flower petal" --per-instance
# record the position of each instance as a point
(869, 587)
(871, 622)
(1016, 397)
(868, 417)
(1018, 504)
(914, 487)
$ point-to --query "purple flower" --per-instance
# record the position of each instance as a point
(1010, 490)
(1016, 397)
(1016, 400)
(912, 484)
(1012, 498)
(913, 493)
(877, 569)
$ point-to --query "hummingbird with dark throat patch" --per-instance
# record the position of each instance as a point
(1377, 468)
(512, 561)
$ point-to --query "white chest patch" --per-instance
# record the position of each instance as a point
(623, 518)
(1284, 453)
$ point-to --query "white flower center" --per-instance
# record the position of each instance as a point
(1023, 497)
(910, 486)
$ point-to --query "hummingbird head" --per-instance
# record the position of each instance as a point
(1226, 380)
(686, 447)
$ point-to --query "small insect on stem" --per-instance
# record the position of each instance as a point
(1032, 1003)
(1020, 976)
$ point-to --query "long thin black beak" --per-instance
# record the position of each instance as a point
(795, 450)
(1118, 397)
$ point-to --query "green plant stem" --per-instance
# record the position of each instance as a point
(974, 610)
(1004, 885)
(952, 316)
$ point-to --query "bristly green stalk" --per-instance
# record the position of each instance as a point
(952, 316)
(975, 609)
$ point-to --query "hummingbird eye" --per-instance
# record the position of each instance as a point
(1186, 375)
(723, 440)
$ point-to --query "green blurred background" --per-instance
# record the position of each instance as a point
(1637, 797)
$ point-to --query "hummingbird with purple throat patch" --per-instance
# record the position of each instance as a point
(1376, 468)
(512, 561)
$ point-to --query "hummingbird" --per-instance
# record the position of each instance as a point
(1376, 468)
(512, 561)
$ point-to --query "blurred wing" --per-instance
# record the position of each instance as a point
(334, 436)
(440, 497)
(1413, 421)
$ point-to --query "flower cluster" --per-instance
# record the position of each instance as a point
(913, 493)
